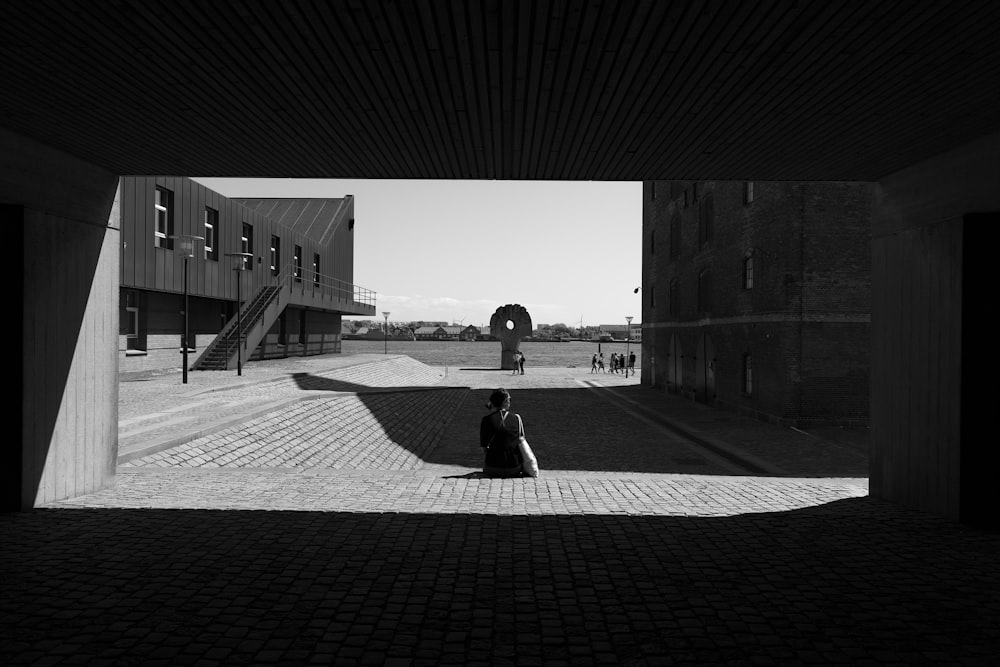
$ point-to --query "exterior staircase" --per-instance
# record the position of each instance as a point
(257, 315)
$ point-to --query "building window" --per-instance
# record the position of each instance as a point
(748, 270)
(747, 192)
(275, 254)
(675, 298)
(652, 190)
(131, 320)
(696, 191)
(704, 291)
(675, 236)
(685, 200)
(164, 207)
(316, 269)
(706, 221)
(652, 297)
(298, 263)
(211, 232)
(246, 244)
(748, 374)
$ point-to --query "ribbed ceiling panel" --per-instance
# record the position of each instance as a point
(597, 90)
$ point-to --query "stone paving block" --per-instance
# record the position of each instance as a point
(637, 545)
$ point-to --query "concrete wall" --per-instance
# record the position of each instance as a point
(930, 431)
(68, 323)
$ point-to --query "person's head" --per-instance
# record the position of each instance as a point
(499, 398)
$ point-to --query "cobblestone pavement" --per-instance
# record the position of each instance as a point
(330, 511)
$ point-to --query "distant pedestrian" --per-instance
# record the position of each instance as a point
(520, 361)
(600, 363)
(631, 362)
(614, 362)
(517, 362)
(593, 364)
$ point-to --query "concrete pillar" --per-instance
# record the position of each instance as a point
(932, 426)
(66, 297)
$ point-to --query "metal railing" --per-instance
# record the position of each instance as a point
(323, 287)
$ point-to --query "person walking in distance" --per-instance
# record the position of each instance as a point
(520, 361)
(593, 364)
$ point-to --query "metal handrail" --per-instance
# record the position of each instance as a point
(323, 286)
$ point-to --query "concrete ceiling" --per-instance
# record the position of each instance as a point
(599, 90)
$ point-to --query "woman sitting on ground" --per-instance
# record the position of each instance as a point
(498, 435)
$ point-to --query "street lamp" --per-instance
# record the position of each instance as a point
(385, 333)
(628, 340)
(240, 260)
(185, 244)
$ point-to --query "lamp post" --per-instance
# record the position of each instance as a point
(628, 340)
(185, 243)
(385, 333)
(239, 266)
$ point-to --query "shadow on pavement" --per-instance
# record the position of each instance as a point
(308, 381)
(581, 429)
(849, 582)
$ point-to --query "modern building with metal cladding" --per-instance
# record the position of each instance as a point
(904, 96)
(301, 260)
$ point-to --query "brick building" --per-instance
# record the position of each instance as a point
(757, 296)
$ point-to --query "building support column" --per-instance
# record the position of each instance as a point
(931, 419)
(68, 306)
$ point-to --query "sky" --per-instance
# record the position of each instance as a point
(455, 251)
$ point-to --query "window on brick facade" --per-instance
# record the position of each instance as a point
(211, 234)
(748, 270)
(275, 254)
(675, 236)
(675, 298)
(747, 192)
(706, 221)
(748, 374)
(704, 291)
(164, 210)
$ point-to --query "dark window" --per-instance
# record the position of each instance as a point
(706, 221)
(652, 297)
(211, 234)
(675, 236)
(747, 192)
(748, 271)
(298, 263)
(275, 255)
(652, 190)
(704, 291)
(316, 269)
(675, 298)
(164, 211)
(695, 191)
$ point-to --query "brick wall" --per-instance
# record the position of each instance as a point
(806, 319)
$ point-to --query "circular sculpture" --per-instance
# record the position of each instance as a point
(509, 325)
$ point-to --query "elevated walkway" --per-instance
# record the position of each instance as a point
(243, 333)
